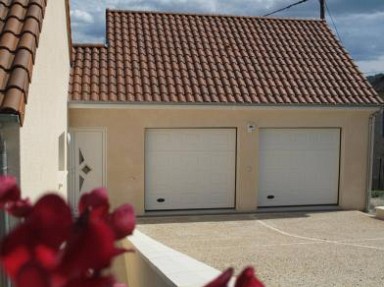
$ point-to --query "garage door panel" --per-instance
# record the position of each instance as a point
(190, 168)
(298, 166)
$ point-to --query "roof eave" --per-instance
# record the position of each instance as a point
(69, 29)
(227, 105)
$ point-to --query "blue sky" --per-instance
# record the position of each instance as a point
(360, 23)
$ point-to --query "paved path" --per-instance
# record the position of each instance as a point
(344, 248)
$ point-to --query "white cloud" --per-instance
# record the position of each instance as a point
(372, 67)
(79, 16)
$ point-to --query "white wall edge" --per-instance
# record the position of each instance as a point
(176, 268)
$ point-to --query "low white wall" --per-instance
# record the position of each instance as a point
(156, 265)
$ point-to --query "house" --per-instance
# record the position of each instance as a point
(181, 112)
(34, 70)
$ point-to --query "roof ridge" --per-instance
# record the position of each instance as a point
(86, 45)
(108, 10)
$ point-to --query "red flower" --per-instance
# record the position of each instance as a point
(222, 280)
(245, 279)
(92, 282)
(9, 190)
(91, 247)
(96, 201)
(39, 237)
(32, 274)
(122, 221)
(48, 249)
(20, 208)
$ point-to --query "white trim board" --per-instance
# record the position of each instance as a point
(119, 105)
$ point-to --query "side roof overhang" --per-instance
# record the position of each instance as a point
(21, 23)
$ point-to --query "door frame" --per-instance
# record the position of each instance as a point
(235, 128)
(72, 189)
(338, 170)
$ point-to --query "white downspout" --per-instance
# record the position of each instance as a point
(371, 143)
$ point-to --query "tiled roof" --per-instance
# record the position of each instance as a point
(20, 26)
(176, 58)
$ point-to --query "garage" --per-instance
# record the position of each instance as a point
(298, 167)
(190, 168)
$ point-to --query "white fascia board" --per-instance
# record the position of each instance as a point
(141, 106)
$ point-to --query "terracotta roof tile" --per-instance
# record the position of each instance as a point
(20, 27)
(179, 58)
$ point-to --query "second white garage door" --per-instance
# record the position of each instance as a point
(298, 167)
(190, 168)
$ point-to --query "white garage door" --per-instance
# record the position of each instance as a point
(190, 168)
(298, 167)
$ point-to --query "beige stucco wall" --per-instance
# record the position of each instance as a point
(46, 110)
(125, 143)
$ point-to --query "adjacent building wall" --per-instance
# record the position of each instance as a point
(42, 152)
(125, 128)
(378, 155)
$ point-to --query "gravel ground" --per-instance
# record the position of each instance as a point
(344, 248)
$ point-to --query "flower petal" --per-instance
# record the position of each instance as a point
(96, 200)
(247, 278)
(32, 275)
(20, 208)
(39, 237)
(222, 280)
(92, 282)
(9, 189)
(122, 221)
(51, 218)
(12, 259)
(46, 256)
(90, 247)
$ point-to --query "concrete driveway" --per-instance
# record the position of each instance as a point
(343, 248)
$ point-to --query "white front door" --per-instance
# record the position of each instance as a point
(298, 167)
(190, 168)
(87, 162)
